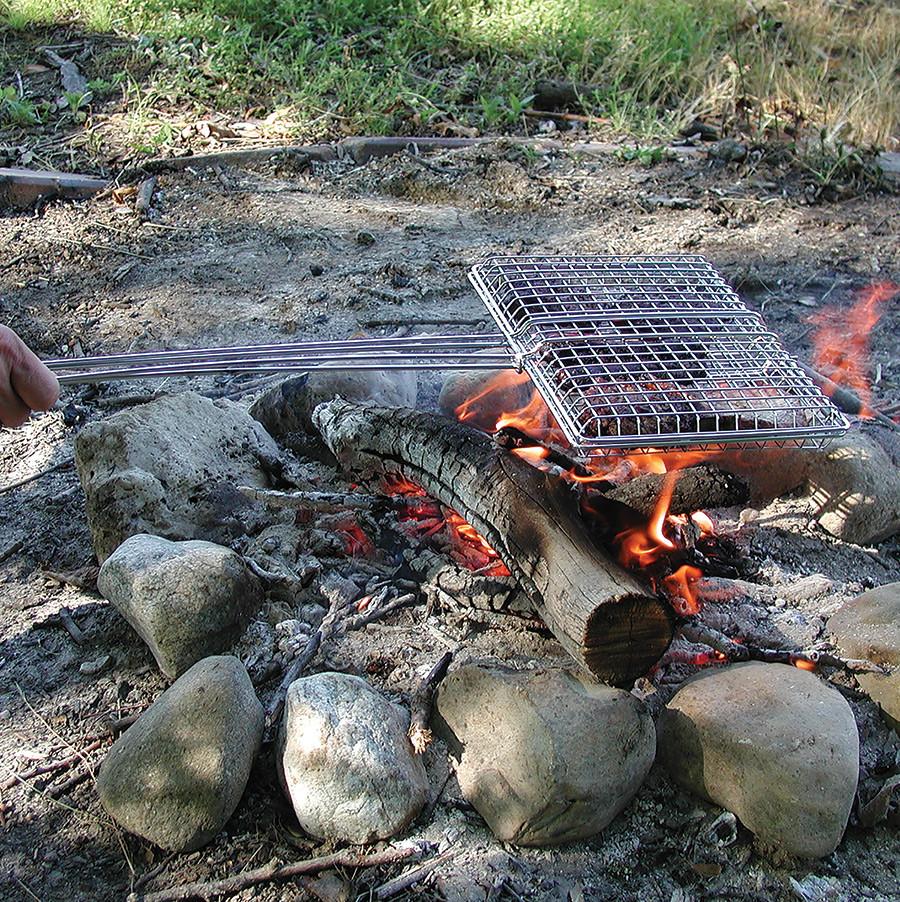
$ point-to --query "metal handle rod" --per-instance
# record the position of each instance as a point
(425, 344)
(289, 366)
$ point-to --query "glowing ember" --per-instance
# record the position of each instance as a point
(428, 519)
(703, 523)
(803, 664)
(841, 342)
(356, 542)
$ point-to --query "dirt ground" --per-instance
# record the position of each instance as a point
(226, 258)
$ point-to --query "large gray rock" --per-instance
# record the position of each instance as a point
(544, 757)
(170, 468)
(177, 775)
(186, 600)
(856, 490)
(346, 762)
(771, 743)
(869, 627)
(288, 406)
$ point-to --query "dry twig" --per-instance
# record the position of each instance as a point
(413, 876)
(225, 887)
(41, 769)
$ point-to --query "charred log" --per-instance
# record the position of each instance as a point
(603, 617)
(695, 488)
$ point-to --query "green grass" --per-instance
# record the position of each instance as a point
(405, 66)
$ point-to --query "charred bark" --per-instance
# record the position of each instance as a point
(612, 626)
(696, 487)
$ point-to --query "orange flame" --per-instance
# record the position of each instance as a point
(841, 342)
(534, 417)
(643, 545)
(803, 664)
(637, 547)
(681, 588)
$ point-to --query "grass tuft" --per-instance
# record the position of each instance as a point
(379, 66)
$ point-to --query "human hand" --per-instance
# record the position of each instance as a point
(25, 383)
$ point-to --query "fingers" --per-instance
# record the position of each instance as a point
(25, 383)
(13, 411)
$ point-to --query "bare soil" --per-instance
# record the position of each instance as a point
(227, 258)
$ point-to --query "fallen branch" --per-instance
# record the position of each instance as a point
(421, 704)
(270, 872)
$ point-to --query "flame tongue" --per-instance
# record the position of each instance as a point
(841, 341)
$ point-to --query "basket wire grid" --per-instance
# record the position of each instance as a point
(648, 352)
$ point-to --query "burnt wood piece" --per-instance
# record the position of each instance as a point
(610, 624)
(695, 488)
(22, 187)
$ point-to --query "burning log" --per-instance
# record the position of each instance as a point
(603, 617)
(697, 487)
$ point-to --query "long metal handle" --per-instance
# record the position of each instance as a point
(427, 352)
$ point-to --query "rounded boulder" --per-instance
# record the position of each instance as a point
(544, 757)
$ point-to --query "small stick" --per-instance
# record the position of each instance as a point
(62, 788)
(46, 472)
(847, 400)
(340, 601)
(565, 117)
(225, 887)
(98, 247)
(421, 704)
(41, 769)
(510, 438)
(145, 195)
(411, 877)
(361, 620)
(144, 879)
(121, 724)
(65, 618)
(326, 502)
(85, 578)
(696, 631)
(10, 550)
(326, 629)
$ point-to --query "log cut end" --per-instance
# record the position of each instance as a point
(623, 641)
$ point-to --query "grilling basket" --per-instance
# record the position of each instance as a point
(629, 353)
